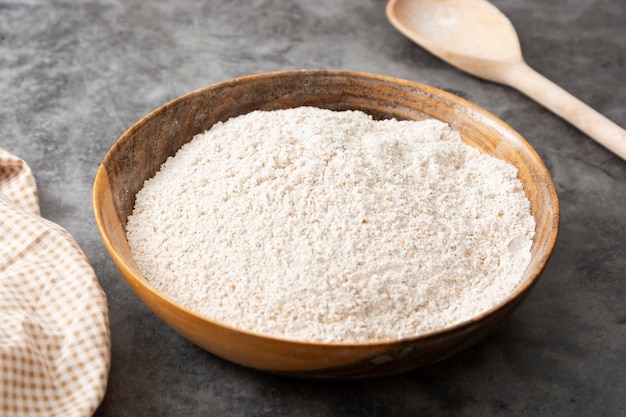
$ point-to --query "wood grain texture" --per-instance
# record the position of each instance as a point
(140, 151)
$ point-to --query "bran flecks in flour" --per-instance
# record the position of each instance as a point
(326, 226)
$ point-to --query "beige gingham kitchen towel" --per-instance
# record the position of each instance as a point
(54, 334)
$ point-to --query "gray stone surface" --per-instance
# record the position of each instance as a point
(75, 74)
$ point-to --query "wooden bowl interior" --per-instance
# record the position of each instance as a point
(140, 151)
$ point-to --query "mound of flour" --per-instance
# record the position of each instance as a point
(316, 225)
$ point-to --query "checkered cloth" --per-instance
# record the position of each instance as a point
(54, 334)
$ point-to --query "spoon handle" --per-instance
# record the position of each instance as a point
(554, 98)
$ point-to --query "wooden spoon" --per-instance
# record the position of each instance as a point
(474, 36)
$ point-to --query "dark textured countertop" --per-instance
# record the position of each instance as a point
(75, 74)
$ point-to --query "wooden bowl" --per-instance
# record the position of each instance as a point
(140, 151)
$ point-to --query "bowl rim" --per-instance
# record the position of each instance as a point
(127, 272)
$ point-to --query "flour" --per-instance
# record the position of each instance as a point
(316, 225)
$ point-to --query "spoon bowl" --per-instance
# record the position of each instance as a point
(469, 34)
(474, 36)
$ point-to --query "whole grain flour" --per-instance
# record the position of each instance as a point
(325, 226)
